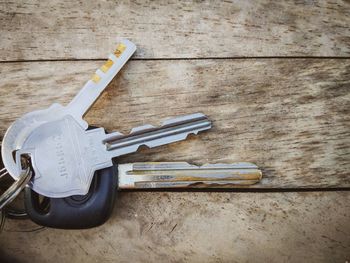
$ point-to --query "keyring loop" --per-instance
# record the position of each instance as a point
(11, 193)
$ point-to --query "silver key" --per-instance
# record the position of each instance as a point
(65, 156)
(183, 175)
(19, 131)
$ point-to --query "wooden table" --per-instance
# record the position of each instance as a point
(273, 76)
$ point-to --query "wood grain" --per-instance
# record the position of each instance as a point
(290, 116)
(35, 30)
(197, 227)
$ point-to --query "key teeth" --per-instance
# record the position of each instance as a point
(143, 146)
(173, 130)
(170, 121)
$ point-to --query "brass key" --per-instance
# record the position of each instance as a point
(184, 175)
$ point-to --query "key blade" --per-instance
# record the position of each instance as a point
(172, 130)
(183, 175)
(102, 77)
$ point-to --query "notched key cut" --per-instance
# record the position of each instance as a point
(161, 175)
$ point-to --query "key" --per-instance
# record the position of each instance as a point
(93, 209)
(65, 156)
(183, 175)
(19, 131)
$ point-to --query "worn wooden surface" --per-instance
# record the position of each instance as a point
(89, 29)
(290, 116)
(197, 227)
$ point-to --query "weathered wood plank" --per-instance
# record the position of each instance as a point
(289, 116)
(33, 30)
(197, 227)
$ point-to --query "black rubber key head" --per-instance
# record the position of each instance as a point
(76, 212)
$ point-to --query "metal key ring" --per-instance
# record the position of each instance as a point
(11, 193)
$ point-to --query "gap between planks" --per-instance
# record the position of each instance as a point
(175, 59)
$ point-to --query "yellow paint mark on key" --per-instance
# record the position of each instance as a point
(96, 78)
(107, 65)
(120, 49)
